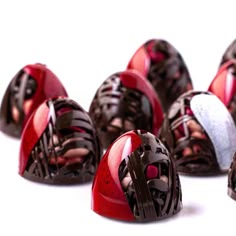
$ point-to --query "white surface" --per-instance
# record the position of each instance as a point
(83, 42)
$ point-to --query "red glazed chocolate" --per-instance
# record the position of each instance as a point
(199, 132)
(26, 91)
(125, 101)
(224, 86)
(59, 144)
(232, 179)
(136, 180)
(164, 67)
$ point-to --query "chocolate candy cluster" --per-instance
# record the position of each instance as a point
(145, 125)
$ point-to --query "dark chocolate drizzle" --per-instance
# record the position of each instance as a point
(113, 100)
(151, 198)
(73, 129)
(202, 160)
(21, 88)
(169, 76)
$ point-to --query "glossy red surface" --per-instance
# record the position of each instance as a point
(31, 85)
(164, 67)
(35, 127)
(134, 80)
(223, 85)
(140, 60)
(108, 198)
(48, 86)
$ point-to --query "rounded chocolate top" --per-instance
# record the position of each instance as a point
(164, 67)
(125, 101)
(26, 91)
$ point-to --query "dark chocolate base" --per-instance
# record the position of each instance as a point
(146, 221)
(200, 173)
(10, 130)
(59, 179)
(163, 217)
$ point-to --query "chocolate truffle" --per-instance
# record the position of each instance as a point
(161, 63)
(124, 101)
(26, 91)
(136, 180)
(59, 144)
(199, 132)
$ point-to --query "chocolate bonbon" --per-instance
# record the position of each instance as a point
(160, 62)
(26, 91)
(125, 101)
(59, 144)
(136, 180)
(199, 132)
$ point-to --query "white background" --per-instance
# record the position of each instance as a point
(83, 42)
